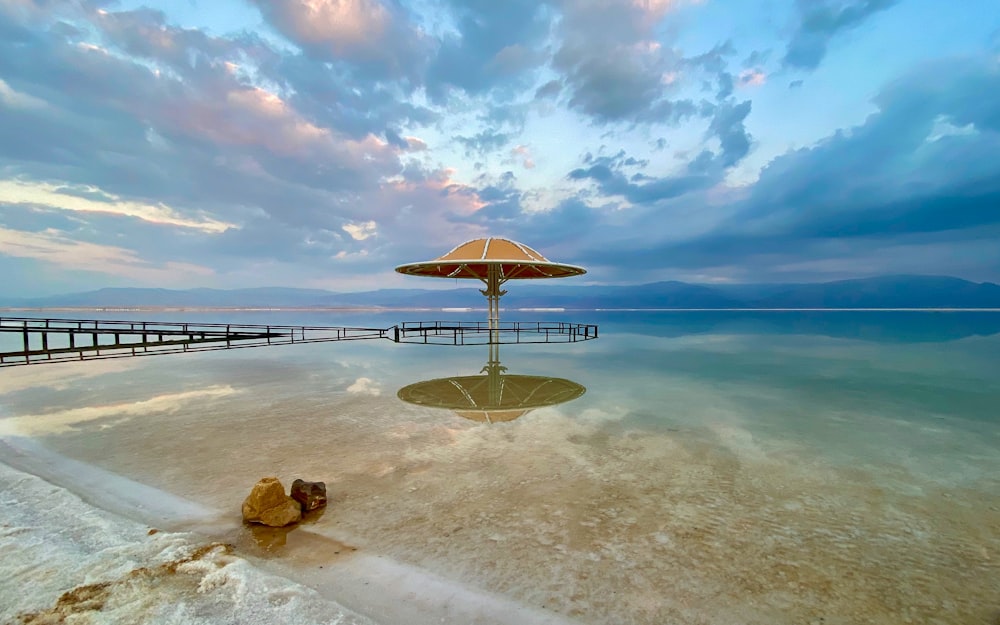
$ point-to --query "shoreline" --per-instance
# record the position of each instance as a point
(149, 529)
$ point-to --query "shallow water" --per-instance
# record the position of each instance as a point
(721, 467)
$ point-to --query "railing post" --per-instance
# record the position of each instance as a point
(27, 343)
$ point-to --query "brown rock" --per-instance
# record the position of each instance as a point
(268, 504)
(311, 495)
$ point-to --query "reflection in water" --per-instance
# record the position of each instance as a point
(877, 326)
(272, 539)
(494, 395)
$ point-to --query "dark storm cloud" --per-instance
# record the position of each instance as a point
(819, 21)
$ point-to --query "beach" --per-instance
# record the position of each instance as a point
(732, 475)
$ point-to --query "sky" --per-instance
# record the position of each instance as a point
(320, 143)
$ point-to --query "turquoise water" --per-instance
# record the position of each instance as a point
(770, 467)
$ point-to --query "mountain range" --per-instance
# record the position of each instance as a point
(903, 291)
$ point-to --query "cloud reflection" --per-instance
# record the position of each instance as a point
(63, 421)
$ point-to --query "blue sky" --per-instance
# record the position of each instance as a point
(319, 143)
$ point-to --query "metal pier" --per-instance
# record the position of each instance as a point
(25, 341)
(59, 340)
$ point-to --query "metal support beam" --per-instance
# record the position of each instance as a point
(494, 279)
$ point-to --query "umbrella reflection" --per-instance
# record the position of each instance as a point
(493, 395)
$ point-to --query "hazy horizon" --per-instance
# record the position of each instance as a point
(432, 285)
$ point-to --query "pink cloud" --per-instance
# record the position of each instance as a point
(752, 78)
(339, 24)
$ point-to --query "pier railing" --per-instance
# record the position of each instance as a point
(481, 332)
(55, 340)
(25, 340)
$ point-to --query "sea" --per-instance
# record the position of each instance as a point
(688, 467)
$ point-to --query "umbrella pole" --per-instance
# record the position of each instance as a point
(493, 294)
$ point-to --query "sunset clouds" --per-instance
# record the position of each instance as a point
(302, 142)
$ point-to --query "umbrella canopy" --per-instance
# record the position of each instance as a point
(492, 260)
(475, 259)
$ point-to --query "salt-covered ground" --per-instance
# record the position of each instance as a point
(66, 561)
(86, 564)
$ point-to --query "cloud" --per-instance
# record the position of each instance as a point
(12, 99)
(63, 421)
(361, 231)
(328, 144)
(187, 132)
(611, 64)
(484, 142)
(54, 247)
(893, 192)
(364, 386)
(728, 126)
(819, 21)
(703, 171)
(608, 173)
(493, 46)
(523, 154)
(752, 77)
(89, 199)
(375, 38)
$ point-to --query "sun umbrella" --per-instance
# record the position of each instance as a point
(493, 261)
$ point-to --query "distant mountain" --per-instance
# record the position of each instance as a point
(887, 292)
(880, 292)
(655, 295)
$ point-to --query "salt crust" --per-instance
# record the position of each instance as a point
(63, 558)
(63, 549)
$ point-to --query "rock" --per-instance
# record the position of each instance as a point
(268, 504)
(311, 495)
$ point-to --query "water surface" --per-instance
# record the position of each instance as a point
(720, 467)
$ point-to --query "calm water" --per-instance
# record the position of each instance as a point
(839, 467)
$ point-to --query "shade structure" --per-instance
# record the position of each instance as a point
(493, 261)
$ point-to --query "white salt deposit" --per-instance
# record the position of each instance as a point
(103, 567)
(66, 560)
